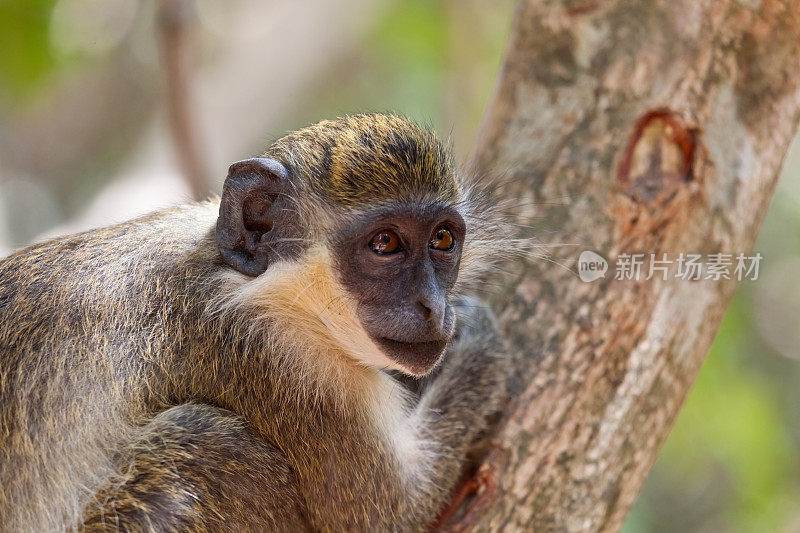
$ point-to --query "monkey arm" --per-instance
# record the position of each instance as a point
(196, 467)
(459, 399)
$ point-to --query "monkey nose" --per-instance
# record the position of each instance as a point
(432, 311)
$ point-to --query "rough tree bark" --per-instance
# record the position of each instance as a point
(666, 122)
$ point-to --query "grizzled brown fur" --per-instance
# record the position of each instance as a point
(369, 158)
(145, 385)
(214, 463)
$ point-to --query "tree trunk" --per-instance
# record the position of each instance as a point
(665, 122)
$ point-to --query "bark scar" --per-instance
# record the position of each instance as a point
(659, 153)
(473, 492)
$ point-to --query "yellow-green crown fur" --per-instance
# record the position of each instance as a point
(369, 158)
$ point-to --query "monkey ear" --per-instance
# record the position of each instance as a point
(247, 213)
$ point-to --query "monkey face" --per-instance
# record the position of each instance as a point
(377, 194)
(399, 263)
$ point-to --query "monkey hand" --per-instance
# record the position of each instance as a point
(471, 384)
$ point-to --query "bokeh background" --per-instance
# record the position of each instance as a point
(86, 140)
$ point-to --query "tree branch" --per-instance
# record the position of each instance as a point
(172, 26)
(666, 123)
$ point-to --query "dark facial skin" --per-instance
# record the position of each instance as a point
(402, 296)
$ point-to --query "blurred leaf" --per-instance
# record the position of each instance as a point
(408, 53)
(413, 34)
(26, 56)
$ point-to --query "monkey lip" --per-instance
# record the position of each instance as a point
(434, 344)
(417, 358)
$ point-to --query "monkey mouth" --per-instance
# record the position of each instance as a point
(415, 358)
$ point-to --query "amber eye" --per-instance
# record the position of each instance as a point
(442, 239)
(385, 242)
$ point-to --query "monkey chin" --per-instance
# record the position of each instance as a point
(414, 358)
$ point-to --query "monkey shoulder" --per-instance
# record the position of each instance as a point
(102, 271)
(162, 235)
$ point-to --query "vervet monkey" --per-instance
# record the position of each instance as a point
(226, 365)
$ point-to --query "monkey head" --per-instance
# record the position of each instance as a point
(379, 195)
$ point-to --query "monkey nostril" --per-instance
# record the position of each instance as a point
(425, 310)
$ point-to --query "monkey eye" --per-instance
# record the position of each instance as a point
(442, 239)
(385, 242)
